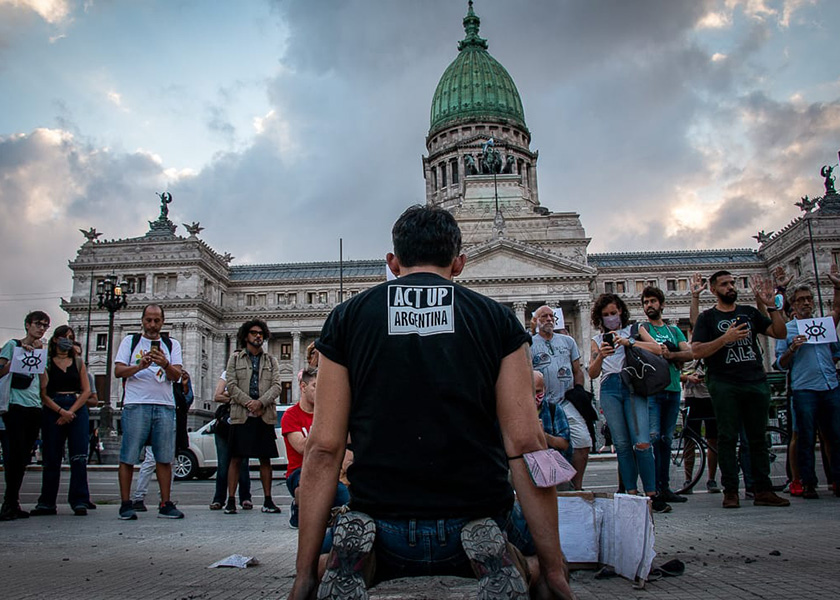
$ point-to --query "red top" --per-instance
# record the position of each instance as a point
(295, 419)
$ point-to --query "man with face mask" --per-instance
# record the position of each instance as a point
(557, 358)
(554, 422)
(726, 336)
(816, 389)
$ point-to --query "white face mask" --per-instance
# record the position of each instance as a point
(612, 322)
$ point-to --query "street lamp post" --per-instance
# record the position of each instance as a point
(112, 296)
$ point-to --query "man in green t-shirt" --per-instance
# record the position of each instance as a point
(664, 407)
(23, 419)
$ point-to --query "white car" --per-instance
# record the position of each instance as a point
(199, 461)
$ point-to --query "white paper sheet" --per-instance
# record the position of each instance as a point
(820, 330)
(633, 536)
(29, 362)
(580, 530)
(235, 560)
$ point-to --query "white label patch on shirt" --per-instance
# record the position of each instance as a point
(421, 309)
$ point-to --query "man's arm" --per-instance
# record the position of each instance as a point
(577, 372)
(703, 349)
(237, 394)
(220, 394)
(296, 440)
(273, 392)
(684, 354)
(321, 465)
(521, 433)
(834, 277)
(697, 287)
(765, 299)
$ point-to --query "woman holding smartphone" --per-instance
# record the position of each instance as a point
(626, 413)
(64, 392)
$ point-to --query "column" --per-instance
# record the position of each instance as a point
(519, 310)
(296, 366)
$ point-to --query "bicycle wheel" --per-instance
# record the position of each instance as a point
(777, 447)
(688, 461)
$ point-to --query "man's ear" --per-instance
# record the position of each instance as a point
(393, 263)
(458, 264)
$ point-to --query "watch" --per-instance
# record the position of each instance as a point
(631, 342)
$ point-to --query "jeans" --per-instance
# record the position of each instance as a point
(22, 425)
(54, 436)
(147, 468)
(148, 425)
(743, 404)
(223, 462)
(813, 407)
(422, 547)
(663, 409)
(628, 419)
(342, 494)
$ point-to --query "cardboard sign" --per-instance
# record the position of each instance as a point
(29, 362)
(820, 330)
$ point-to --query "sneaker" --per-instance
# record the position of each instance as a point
(90, 505)
(43, 511)
(270, 507)
(350, 562)
(230, 507)
(768, 498)
(497, 570)
(80, 510)
(247, 505)
(139, 506)
(687, 490)
(669, 496)
(215, 506)
(167, 510)
(127, 511)
(731, 500)
(810, 493)
(658, 505)
(795, 488)
(293, 518)
(712, 487)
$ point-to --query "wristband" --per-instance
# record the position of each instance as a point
(772, 309)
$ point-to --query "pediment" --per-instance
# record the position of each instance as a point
(505, 258)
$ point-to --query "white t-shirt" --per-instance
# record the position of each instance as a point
(150, 385)
(612, 364)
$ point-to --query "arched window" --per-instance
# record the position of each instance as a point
(443, 175)
(454, 167)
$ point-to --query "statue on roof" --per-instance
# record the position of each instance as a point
(763, 237)
(193, 229)
(165, 200)
(469, 164)
(91, 234)
(806, 205)
(826, 172)
(510, 162)
(491, 159)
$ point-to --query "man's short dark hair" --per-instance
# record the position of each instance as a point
(603, 301)
(653, 292)
(162, 314)
(716, 275)
(309, 374)
(799, 289)
(242, 334)
(36, 315)
(426, 236)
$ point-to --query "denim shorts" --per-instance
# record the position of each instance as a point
(422, 547)
(147, 425)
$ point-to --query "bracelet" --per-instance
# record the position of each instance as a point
(771, 309)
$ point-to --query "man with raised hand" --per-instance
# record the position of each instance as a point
(726, 336)
(433, 383)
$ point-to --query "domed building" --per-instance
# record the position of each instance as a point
(480, 166)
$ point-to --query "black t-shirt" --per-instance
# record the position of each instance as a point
(423, 355)
(737, 361)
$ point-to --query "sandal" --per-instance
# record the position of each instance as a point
(247, 505)
(216, 506)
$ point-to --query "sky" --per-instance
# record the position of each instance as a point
(282, 126)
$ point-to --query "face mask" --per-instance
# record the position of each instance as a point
(539, 396)
(64, 344)
(612, 322)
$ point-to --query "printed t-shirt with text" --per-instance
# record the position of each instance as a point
(295, 419)
(423, 355)
(148, 386)
(736, 361)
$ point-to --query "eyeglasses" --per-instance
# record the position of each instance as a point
(41, 324)
(809, 300)
(256, 332)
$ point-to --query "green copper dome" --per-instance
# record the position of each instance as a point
(475, 85)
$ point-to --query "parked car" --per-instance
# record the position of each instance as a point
(199, 460)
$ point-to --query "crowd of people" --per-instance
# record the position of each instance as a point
(409, 452)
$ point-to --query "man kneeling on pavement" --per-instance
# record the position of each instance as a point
(432, 381)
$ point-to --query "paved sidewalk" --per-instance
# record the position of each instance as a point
(728, 554)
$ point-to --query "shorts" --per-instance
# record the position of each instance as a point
(578, 429)
(147, 425)
(253, 439)
(700, 411)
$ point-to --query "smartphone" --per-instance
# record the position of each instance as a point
(155, 344)
(740, 320)
(609, 338)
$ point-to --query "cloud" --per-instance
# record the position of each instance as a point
(52, 11)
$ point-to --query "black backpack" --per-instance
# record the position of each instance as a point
(644, 372)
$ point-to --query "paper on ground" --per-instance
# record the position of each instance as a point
(235, 560)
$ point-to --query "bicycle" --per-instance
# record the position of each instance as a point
(689, 450)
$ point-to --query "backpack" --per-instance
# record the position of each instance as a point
(644, 372)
